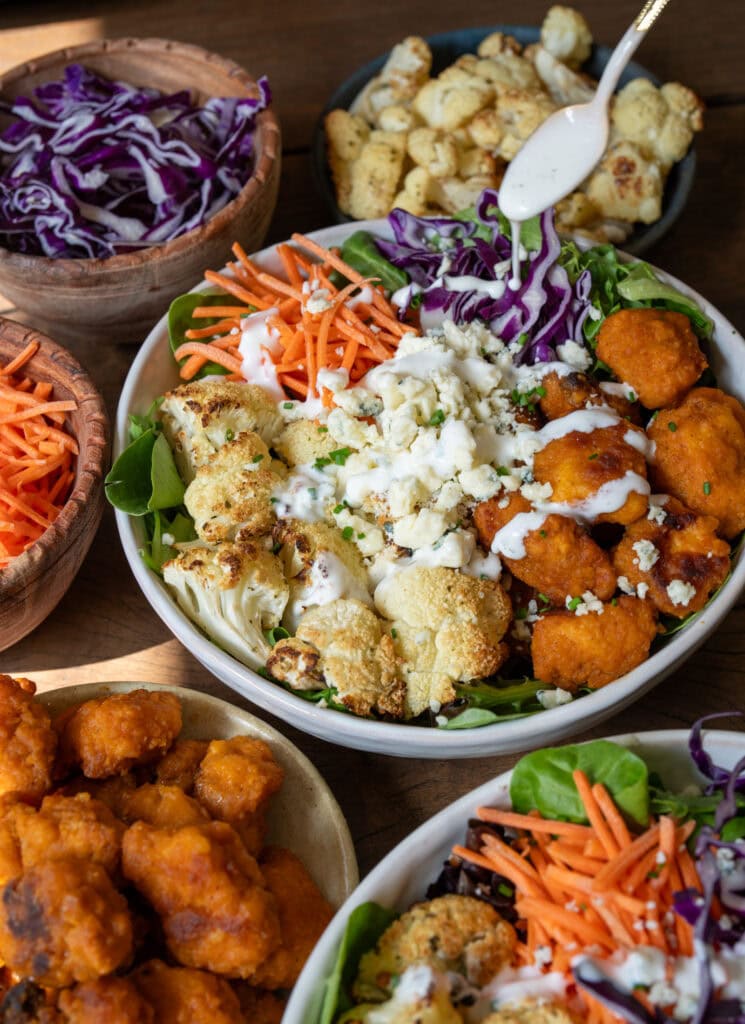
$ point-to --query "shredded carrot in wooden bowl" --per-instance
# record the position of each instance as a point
(350, 335)
(37, 457)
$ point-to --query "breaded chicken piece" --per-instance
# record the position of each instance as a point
(112, 792)
(578, 464)
(209, 893)
(235, 782)
(62, 921)
(179, 766)
(64, 827)
(108, 735)
(303, 916)
(200, 417)
(445, 627)
(570, 392)
(572, 650)
(560, 557)
(700, 456)
(180, 995)
(232, 492)
(28, 1003)
(353, 655)
(680, 559)
(162, 806)
(653, 350)
(27, 741)
(109, 1000)
(450, 933)
(258, 1006)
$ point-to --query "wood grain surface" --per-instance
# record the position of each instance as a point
(103, 628)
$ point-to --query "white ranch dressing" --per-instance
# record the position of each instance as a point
(329, 580)
(258, 343)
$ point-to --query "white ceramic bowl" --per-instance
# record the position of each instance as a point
(402, 877)
(153, 372)
(303, 816)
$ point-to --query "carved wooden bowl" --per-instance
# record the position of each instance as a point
(121, 297)
(33, 583)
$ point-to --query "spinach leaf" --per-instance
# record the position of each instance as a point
(365, 926)
(474, 718)
(181, 319)
(128, 483)
(180, 527)
(516, 695)
(144, 477)
(640, 285)
(363, 255)
(543, 780)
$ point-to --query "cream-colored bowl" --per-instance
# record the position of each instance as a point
(303, 817)
(154, 371)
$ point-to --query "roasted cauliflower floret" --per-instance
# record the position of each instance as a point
(445, 626)
(198, 418)
(520, 113)
(566, 35)
(565, 85)
(436, 152)
(660, 122)
(452, 194)
(375, 175)
(422, 995)
(232, 492)
(498, 43)
(346, 134)
(320, 566)
(414, 197)
(450, 933)
(401, 77)
(626, 185)
(529, 1012)
(296, 663)
(234, 592)
(301, 443)
(356, 657)
(451, 100)
(505, 70)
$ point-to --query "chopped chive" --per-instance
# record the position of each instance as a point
(707, 487)
(229, 435)
(543, 533)
(394, 633)
(323, 430)
(632, 396)
(321, 463)
(347, 533)
(436, 418)
(574, 603)
(593, 456)
(521, 613)
(502, 471)
(672, 426)
(257, 458)
(313, 492)
(339, 456)
(361, 536)
(288, 405)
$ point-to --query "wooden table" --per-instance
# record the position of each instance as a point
(104, 629)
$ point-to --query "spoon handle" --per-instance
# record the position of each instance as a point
(622, 54)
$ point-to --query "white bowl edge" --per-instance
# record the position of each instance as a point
(399, 739)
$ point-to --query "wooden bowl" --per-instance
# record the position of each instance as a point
(120, 298)
(33, 583)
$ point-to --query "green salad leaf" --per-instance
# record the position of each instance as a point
(156, 552)
(363, 255)
(543, 780)
(144, 478)
(365, 926)
(181, 319)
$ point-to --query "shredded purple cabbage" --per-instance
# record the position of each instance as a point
(545, 311)
(91, 167)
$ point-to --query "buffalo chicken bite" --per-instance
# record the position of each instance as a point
(592, 646)
(676, 559)
(180, 995)
(578, 465)
(560, 557)
(109, 1000)
(653, 350)
(209, 893)
(27, 741)
(62, 921)
(109, 735)
(700, 456)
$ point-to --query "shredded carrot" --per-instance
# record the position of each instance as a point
(36, 456)
(592, 890)
(313, 324)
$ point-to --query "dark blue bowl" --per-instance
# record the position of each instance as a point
(446, 48)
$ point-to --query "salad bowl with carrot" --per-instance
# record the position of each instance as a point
(597, 882)
(409, 508)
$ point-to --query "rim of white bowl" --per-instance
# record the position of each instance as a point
(400, 739)
(407, 854)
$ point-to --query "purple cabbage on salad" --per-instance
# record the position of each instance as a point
(441, 254)
(91, 167)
